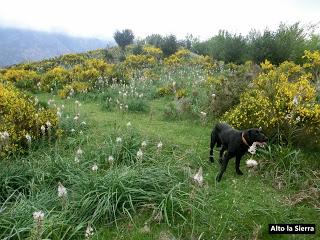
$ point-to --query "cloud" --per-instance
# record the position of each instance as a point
(202, 18)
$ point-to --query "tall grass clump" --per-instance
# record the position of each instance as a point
(123, 191)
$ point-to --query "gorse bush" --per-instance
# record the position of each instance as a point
(25, 79)
(139, 61)
(21, 120)
(152, 51)
(282, 101)
(54, 79)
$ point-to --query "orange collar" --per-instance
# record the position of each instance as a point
(244, 140)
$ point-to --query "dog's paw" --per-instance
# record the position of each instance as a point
(239, 172)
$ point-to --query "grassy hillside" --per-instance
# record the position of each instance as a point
(130, 138)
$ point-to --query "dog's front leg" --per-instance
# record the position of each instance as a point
(224, 165)
(223, 148)
(238, 158)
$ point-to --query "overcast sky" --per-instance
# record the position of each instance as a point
(202, 18)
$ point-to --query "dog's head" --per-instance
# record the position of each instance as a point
(256, 135)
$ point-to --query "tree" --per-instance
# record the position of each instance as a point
(155, 40)
(169, 45)
(123, 38)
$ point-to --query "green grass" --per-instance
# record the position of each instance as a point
(119, 201)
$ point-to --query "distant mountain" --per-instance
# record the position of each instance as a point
(19, 45)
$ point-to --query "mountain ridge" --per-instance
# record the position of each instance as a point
(22, 45)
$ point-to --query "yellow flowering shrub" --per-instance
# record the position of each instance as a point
(152, 51)
(71, 59)
(74, 88)
(54, 79)
(205, 62)
(181, 93)
(313, 64)
(139, 61)
(165, 90)
(19, 117)
(97, 68)
(22, 78)
(280, 100)
(180, 57)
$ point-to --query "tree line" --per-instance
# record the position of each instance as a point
(287, 42)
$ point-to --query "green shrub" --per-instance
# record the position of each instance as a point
(138, 105)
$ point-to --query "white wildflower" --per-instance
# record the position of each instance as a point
(72, 130)
(252, 149)
(28, 137)
(203, 114)
(143, 144)
(59, 114)
(213, 95)
(43, 129)
(79, 152)
(110, 159)
(94, 167)
(4, 136)
(119, 140)
(62, 191)
(159, 146)
(38, 216)
(129, 124)
(251, 163)
(89, 232)
(295, 100)
(145, 229)
(198, 177)
(139, 154)
(76, 118)
(48, 123)
(77, 159)
(83, 123)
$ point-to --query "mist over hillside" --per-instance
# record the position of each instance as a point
(20, 45)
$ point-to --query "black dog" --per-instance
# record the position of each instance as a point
(235, 142)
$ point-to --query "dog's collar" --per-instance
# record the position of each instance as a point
(244, 140)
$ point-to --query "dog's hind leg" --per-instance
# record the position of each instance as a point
(212, 144)
(224, 165)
